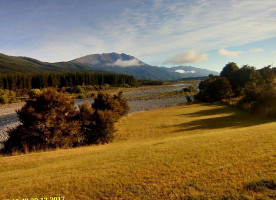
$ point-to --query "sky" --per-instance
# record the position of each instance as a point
(200, 33)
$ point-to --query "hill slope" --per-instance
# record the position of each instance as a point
(12, 64)
(182, 153)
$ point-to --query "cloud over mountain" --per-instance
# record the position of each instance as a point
(126, 63)
(181, 71)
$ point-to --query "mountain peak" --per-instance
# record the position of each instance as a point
(111, 59)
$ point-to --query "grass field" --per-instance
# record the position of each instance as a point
(185, 152)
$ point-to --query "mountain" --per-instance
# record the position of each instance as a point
(109, 59)
(123, 63)
(13, 64)
(188, 71)
(106, 62)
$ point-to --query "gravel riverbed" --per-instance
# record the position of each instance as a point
(9, 119)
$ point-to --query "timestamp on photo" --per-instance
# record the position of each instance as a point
(38, 198)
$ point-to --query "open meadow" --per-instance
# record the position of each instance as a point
(201, 151)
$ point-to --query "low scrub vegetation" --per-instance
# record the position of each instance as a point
(50, 120)
(7, 96)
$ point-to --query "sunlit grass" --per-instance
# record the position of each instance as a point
(198, 151)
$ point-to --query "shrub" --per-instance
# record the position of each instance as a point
(265, 104)
(103, 127)
(104, 87)
(214, 88)
(48, 121)
(189, 99)
(190, 89)
(116, 103)
(97, 121)
(97, 125)
(33, 93)
(81, 96)
(4, 96)
(12, 96)
(51, 121)
(78, 90)
(7, 96)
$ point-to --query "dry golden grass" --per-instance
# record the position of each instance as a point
(189, 152)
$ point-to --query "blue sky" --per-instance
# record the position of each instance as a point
(200, 33)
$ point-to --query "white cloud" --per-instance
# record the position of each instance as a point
(155, 29)
(191, 56)
(230, 54)
(126, 63)
(181, 71)
(256, 50)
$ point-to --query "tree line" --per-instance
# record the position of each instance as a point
(254, 89)
(58, 80)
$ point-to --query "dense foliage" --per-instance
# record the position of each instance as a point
(215, 88)
(43, 80)
(117, 104)
(50, 120)
(98, 119)
(7, 96)
(254, 88)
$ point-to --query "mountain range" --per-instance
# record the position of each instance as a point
(106, 62)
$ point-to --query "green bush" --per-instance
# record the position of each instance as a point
(74, 90)
(97, 125)
(215, 88)
(81, 96)
(104, 87)
(190, 89)
(97, 120)
(12, 96)
(7, 96)
(78, 90)
(265, 104)
(4, 96)
(116, 103)
(33, 93)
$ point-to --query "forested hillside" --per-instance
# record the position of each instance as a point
(12, 64)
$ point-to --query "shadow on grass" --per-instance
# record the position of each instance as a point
(219, 116)
(216, 109)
